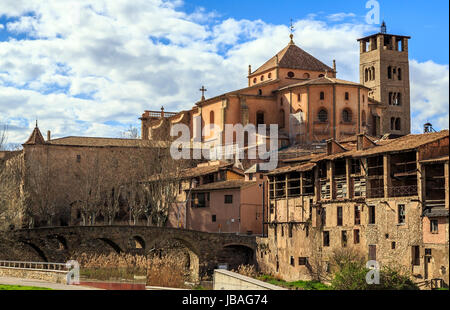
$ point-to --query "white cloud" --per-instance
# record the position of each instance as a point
(429, 94)
(336, 17)
(92, 67)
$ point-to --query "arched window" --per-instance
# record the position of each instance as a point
(260, 92)
(290, 74)
(269, 75)
(399, 74)
(322, 115)
(346, 95)
(346, 115)
(259, 118)
(397, 124)
(306, 75)
(211, 117)
(254, 80)
(366, 74)
(299, 97)
(262, 77)
(363, 118)
(392, 123)
(373, 73)
(364, 99)
(389, 72)
(322, 95)
(281, 118)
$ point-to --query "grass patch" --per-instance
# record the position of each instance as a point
(22, 288)
(304, 285)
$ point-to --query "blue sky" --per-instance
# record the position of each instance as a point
(91, 67)
(425, 21)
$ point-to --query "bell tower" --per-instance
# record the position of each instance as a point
(384, 68)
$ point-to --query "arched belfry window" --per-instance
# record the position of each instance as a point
(399, 74)
(389, 73)
(373, 73)
(322, 115)
(392, 123)
(366, 74)
(259, 118)
(397, 124)
(322, 95)
(346, 115)
(281, 118)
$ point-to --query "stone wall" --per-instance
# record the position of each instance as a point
(37, 274)
(227, 280)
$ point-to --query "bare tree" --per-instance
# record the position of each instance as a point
(131, 133)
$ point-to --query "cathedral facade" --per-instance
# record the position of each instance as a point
(303, 96)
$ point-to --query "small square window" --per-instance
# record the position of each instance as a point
(393, 245)
(427, 251)
(228, 198)
(302, 261)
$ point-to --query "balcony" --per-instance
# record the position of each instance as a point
(394, 191)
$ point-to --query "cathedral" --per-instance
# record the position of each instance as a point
(304, 97)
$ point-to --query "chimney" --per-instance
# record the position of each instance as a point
(249, 69)
(48, 135)
(334, 65)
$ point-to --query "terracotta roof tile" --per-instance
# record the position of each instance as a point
(293, 57)
(297, 168)
(230, 184)
(325, 80)
(107, 142)
(408, 142)
(35, 137)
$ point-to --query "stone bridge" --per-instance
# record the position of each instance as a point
(205, 250)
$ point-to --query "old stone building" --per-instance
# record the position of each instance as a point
(387, 198)
(68, 181)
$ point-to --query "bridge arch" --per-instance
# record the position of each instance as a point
(236, 254)
(137, 242)
(112, 244)
(184, 250)
(37, 250)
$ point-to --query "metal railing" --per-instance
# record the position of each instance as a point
(401, 191)
(35, 265)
